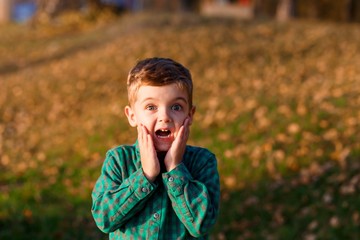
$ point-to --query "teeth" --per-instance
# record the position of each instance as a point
(163, 130)
(163, 133)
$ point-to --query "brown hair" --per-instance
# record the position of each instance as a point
(158, 72)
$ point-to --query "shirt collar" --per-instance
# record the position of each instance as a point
(136, 145)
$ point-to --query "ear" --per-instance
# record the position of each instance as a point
(191, 114)
(130, 116)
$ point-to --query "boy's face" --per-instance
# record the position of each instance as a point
(162, 110)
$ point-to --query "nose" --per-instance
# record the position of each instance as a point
(164, 115)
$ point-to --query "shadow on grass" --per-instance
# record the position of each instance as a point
(50, 223)
(68, 43)
(322, 202)
(11, 67)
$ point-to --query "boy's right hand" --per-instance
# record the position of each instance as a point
(148, 156)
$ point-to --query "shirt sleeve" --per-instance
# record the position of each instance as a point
(116, 200)
(195, 197)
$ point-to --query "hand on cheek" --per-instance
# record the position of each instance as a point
(148, 156)
(175, 154)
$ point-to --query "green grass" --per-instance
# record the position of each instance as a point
(293, 208)
(277, 104)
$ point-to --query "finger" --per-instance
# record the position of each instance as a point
(150, 144)
(186, 129)
(187, 121)
(148, 138)
(143, 136)
(180, 134)
(143, 130)
(140, 135)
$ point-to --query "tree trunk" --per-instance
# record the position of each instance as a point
(191, 5)
(284, 10)
(258, 8)
(5, 11)
(351, 10)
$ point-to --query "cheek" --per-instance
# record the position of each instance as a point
(180, 121)
(146, 120)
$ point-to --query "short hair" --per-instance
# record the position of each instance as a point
(158, 72)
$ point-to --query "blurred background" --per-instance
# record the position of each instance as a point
(277, 90)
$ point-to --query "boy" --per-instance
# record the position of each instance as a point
(158, 188)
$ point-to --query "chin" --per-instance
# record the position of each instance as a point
(162, 148)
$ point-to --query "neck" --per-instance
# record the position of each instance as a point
(161, 157)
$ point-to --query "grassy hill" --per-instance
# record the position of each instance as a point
(279, 104)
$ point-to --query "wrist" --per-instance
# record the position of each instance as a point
(150, 178)
(171, 167)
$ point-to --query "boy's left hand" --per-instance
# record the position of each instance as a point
(175, 154)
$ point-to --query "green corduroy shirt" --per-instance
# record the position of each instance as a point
(180, 204)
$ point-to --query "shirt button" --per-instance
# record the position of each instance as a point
(156, 215)
(171, 179)
(144, 189)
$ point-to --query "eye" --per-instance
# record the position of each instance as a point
(150, 107)
(176, 107)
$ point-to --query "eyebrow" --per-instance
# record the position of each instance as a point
(174, 100)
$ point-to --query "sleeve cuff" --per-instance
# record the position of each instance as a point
(141, 186)
(176, 179)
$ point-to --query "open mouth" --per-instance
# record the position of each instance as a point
(163, 133)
